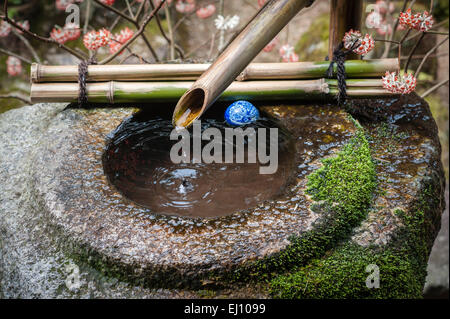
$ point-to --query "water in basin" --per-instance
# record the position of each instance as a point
(137, 162)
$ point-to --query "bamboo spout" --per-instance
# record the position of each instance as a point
(258, 33)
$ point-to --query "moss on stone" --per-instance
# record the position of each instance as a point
(347, 179)
(343, 189)
(342, 272)
(343, 275)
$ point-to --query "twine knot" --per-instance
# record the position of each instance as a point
(82, 78)
(339, 56)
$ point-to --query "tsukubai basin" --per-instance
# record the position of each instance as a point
(101, 179)
(103, 158)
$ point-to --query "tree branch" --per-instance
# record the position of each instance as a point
(29, 46)
(427, 55)
(434, 88)
(163, 33)
(134, 22)
(169, 25)
(36, 36)
(21, 58)
(413, 51)
(137, 34)
(394, 29)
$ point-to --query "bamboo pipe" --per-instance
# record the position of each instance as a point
(181, 72)
(145, 92)
(235, 58)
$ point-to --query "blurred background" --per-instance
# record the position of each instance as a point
(199, 36)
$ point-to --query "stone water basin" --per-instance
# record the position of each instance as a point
(89, 220)
(79, 199)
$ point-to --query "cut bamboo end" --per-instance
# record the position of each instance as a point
(188, 72)
(189, 107)
(114, 92)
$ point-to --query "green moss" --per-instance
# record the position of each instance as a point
(342, 272)
(344, 275)
(347, 179)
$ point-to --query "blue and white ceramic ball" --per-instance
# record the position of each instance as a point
(241, 113)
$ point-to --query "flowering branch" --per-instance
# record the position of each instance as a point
(132, 20)
(137, 34)
(36, 36)
(397, 21)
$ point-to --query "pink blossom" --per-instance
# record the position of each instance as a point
(63, 4)
(24, 24)
(107, 2)
(206, 12)
(291, 58)
(272, 44)
(383, 7)
(90, 41)
(385, 28)
(399, 84)
(95, 39)
(408, 19)
(5, 29)
(261, 2)
(157, 2)
(288, 54)
(59, 35)
(419, 21)
(13, 66)
(426, 22)
(72, 31)
(361, 45)
(103, 37)
(185, 6)
(119, 39)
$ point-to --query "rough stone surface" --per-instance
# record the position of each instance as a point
(58, 211)
(437, 283)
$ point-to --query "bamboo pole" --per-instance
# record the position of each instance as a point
(270, 20)
(181, 72)
(344, 15)
(113, 92)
